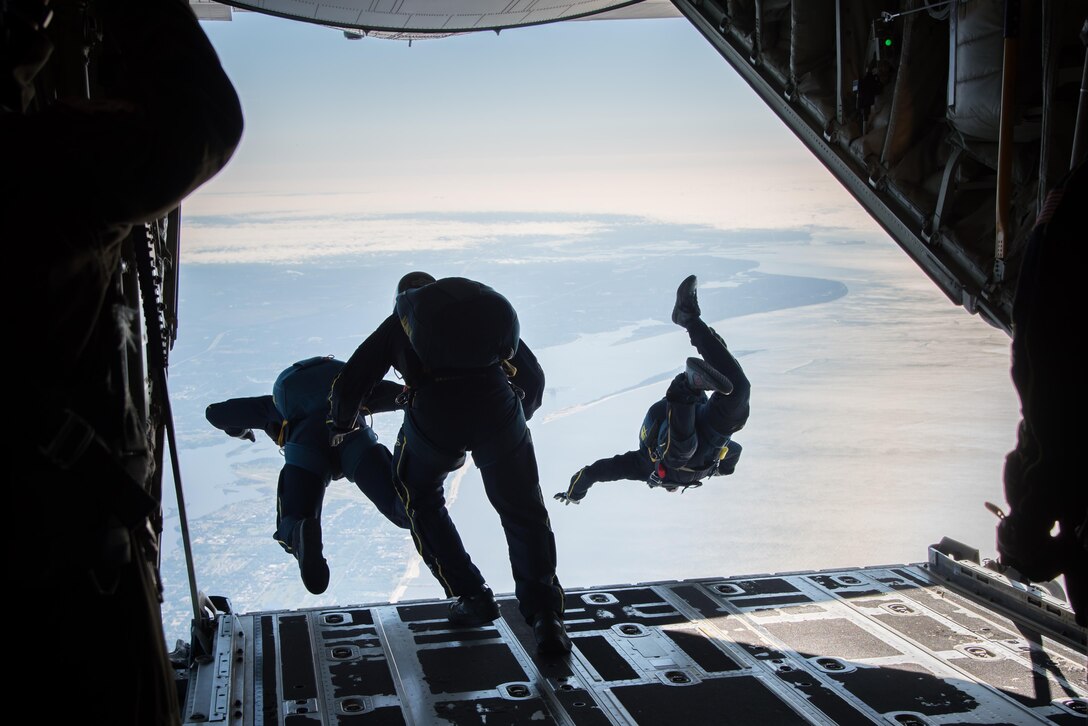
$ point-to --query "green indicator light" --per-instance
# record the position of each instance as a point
(888, 42)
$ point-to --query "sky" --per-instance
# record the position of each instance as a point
(583, 169)
(628, 116)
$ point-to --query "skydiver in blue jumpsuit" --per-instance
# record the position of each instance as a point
(686, 436)
(310, 464)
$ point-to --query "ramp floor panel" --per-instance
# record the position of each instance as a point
(890, 645)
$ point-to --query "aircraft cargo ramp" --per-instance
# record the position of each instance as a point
(948, 641)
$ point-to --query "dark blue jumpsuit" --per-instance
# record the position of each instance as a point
(694, 436)
(683, 439)
(477, 411)
(310, 463)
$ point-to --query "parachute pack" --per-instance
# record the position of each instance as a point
(303, 389)
(456, 323)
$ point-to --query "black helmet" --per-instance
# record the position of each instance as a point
(413, 280)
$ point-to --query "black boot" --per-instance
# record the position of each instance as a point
(471, 611)
(551, 635)
(311, 561)
(686, 310)
(702, 377)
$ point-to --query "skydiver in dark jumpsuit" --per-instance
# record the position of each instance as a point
(686, 436)
(310, 464)
(475, 410)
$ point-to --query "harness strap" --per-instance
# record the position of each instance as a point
(460, 374)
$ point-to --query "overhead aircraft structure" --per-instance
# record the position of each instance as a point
(949, 122)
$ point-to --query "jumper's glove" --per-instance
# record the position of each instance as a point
(576, 492)
(240, 433)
